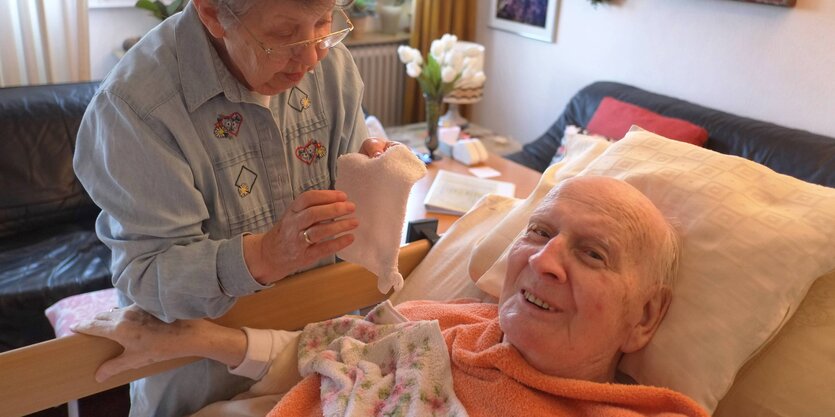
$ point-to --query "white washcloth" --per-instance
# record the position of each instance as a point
(380, 189)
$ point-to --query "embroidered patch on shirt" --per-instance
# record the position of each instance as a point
(228, 125)
(311, 151)
(298, 100)
(245, 182)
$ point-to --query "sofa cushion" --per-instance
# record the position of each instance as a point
(33, 277)
(801, 154)
(38, 187)
(613, 118)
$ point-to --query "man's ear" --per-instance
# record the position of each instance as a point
(208, 15)
(653, 312)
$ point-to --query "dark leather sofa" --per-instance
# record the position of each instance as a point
(48, 246)
(794, 152)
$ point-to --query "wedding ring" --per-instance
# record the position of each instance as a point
(307, 237)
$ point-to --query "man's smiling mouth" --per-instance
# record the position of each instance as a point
(536, 301)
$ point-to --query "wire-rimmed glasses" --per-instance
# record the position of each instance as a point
(284, 52)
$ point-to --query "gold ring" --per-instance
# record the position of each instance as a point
(307, 237)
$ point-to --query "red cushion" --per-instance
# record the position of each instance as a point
(613, 118)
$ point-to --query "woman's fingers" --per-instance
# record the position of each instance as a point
(329, 247)
(313, 198)
(374, 147)
(325, 213)
(325, 231)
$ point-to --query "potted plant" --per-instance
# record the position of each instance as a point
(360, 13)
(160, 10)
(390, 12)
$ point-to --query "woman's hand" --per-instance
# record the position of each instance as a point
(304, 235)
(147, 340)
(374, 147)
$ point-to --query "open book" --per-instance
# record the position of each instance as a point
(453, 193)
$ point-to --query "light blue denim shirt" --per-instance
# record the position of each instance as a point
(183, 160)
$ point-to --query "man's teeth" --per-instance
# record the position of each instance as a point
(532, 298)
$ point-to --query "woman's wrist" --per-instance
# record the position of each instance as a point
(256, 261)
(222, 344)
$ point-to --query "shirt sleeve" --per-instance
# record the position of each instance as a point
(264, 349)
(152, 217)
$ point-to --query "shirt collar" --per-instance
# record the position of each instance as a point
(202, 73)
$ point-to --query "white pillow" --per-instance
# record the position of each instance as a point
(754, 242)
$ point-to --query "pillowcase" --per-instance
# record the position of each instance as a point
(571, 131)
(753, 243)
(613, 118)
(793, 374)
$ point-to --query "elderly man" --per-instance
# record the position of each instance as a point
(588, 281)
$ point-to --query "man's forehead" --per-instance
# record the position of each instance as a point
(597, 212)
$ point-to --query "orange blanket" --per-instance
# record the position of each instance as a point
(492, 379)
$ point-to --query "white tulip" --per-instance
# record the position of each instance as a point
(413, 69)
(437, 51)
(467, 74)
(403, 54)
(474, 64)
(408, 55)
(449, 41)
(472, 51)
(454, 59)
(448, 74)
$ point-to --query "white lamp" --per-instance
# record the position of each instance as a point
(470, 88)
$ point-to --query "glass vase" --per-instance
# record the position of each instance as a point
(433, 113)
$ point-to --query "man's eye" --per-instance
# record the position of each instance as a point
(595, 255)
(534, 230)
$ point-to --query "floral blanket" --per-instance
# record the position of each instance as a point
(382, 365)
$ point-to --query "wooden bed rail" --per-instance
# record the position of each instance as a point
(54, 372)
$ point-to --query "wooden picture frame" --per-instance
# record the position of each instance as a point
(535, 19)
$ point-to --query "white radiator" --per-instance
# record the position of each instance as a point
(382, 72)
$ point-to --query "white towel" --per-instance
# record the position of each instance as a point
(380, 189)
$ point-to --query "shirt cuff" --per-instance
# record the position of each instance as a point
(232, 273)
(258, 353)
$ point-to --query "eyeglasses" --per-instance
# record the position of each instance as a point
(284, 52)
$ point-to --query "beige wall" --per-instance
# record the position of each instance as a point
(766, 62)
(109, 27)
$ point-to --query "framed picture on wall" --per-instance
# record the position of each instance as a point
(535, 19)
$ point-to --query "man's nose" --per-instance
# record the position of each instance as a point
(549, 260)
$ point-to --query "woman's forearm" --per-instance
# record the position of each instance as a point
(223, 344)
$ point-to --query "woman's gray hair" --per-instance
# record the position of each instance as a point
(241, 7)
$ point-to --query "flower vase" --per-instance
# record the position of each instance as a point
(433, 113)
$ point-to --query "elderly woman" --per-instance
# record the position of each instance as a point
(589, 281)
(211, 149)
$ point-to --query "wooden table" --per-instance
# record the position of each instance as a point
(524, 178)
